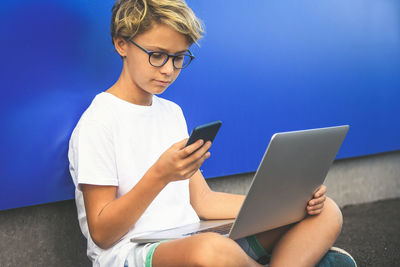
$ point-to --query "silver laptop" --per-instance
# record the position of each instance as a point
(294, 165)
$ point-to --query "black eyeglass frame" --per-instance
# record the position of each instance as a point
(173, 56)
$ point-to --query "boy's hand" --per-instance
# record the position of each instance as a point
(180, 162)
(316, 204)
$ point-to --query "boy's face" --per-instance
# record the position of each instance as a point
(145, 77)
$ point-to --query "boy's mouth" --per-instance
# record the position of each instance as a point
(163, 83)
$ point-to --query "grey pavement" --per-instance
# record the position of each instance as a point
(371, 233)
(49, 235)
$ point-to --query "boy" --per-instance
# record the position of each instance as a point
(133, 173)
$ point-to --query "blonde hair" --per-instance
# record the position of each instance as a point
(133, 17)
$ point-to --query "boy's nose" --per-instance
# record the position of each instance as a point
(168, 67)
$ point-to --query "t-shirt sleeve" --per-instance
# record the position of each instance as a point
(94, 155)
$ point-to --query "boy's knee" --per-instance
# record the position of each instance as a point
(213, 250)
(335, 215)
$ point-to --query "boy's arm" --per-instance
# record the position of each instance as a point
(110, 218)
(217, 205)
(212, 205)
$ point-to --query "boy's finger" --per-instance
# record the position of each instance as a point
(186, 151)
(202, 159)
(316, 201)
(321, 191)
(204, 148)
(196, 159)
(315, 207)
(199, 153)
(195, 165)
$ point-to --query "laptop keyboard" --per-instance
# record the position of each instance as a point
(220, 229)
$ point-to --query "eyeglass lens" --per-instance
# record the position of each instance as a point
(159, 59)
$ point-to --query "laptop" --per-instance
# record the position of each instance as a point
(294, 165)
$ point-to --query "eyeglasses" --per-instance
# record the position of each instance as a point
(159, 58)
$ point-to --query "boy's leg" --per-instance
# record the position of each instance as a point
(304, 243)
(300, 244)
(207, 249)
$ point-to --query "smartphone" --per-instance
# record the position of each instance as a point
(206, 132)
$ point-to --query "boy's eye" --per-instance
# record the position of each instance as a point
(180, 58)
(158, 58)
(158, 55)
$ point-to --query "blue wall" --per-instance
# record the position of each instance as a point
(263, 67)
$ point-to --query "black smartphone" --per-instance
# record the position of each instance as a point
(207, 132)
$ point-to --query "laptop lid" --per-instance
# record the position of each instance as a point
(294, 165)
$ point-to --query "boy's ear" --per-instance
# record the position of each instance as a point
(121, 45)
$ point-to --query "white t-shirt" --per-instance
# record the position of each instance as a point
(114, 143)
